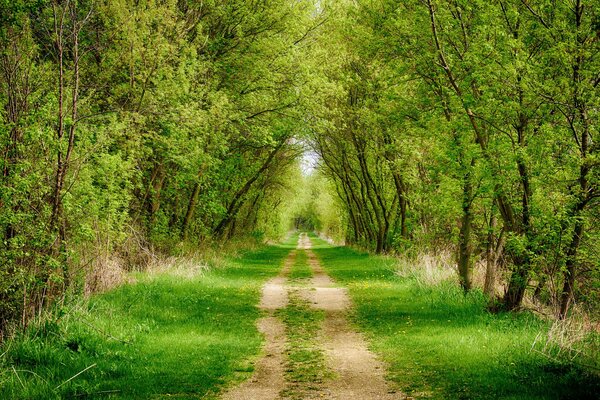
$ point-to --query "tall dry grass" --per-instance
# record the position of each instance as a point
(572, 341)
(428, 268)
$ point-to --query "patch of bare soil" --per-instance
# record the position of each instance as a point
(358, 373)
(268, 380)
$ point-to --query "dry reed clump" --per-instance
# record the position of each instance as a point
(197, 262)
(137, 252)
(183, 266)
(106, 266)
(573, 341)
(427, 268)
(106, 269)
(106, 272)
(478, 277)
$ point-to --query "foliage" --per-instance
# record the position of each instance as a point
(468, 125)
(155, 123)
(130, 128)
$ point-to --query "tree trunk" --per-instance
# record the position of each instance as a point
(190, 211)
(16, 74)
(465, 268)
(517, 285)
(570, 270)
(155, 197)
(494, 249)
(236, 202)
(403, 203)
(60, 167)
(584, 187)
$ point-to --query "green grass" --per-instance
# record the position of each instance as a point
(305, 361)
(300, 270)
(162, 337)
(168, 336)
(441, 344)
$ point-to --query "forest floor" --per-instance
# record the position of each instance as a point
(331, 323)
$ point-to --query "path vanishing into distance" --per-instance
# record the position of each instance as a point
(297, 320)
(341, 366)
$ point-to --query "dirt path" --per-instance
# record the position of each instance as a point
(357, 374)
(268, 379)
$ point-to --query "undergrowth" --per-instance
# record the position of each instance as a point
(440, 344)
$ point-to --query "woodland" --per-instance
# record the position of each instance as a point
(136, 129)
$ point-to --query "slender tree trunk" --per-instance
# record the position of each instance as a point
(570, 270)
(14, 67)
(465, 248)
(190, 211)
(537, 293)
(584, 186)
(373, 196)
(520, 276)
(155, 197)
(493, 249)
(490, 259)
(236, 201)
(60, 167)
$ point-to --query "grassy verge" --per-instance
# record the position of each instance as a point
(160, 337)
(441, 344)
(305, 367)
(300, 271)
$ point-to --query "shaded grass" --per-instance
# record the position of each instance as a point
(442, 344)
(163, 336)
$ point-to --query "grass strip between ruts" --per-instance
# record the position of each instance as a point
(305, 360)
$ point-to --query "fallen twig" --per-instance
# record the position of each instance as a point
(101, 392)
(18, 377)
(31, 372)
(76, 375)
(108, 335)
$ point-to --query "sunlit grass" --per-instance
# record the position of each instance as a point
(442, 344)
(160, 337)
(300, 270)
